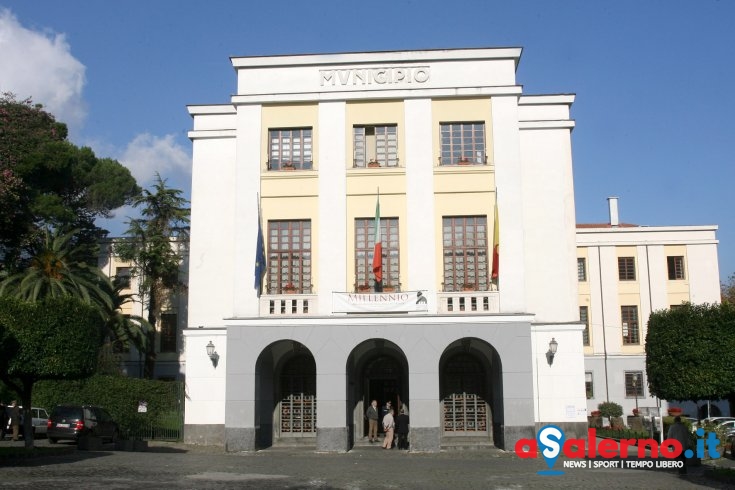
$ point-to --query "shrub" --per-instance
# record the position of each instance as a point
(610, 409)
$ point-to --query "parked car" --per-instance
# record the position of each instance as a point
(71, 422)
(39, 423)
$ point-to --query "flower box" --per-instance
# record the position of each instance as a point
(373, 164)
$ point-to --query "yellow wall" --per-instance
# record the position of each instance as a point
(677, 290)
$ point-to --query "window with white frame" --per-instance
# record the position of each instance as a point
(581, 269)
(290, 149)
(676, 267)
(365, 248)
(584, 317)
(629, 318)
(463, 143)
(289, 257)
(465, 253)
(375, 146)
(588, 385)
(634, 383)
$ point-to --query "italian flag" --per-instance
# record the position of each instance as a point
(496, 244)
(378, 252)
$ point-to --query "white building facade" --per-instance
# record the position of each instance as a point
(626, 272)
(446, 138)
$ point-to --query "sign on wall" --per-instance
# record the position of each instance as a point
(395, 302)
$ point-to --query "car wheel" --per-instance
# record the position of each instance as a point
(53, 440)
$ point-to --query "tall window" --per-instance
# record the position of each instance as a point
(626, 268)
(676, 267)
(122, 277)
(581, 269)
(375, 146)
(584, 317)
(634, 383)
(289, 257)
(629, 317)
(365, 247)
(290, 149)
(465, 253)
(588, 386)
(463, 143)
(168, 332)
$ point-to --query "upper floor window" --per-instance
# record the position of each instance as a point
(465, 253)
(122, 277)
(626, 268)
(168, 332)
(290, 149)
(375, 146)
(289, 257)
(462, 143)
(676, 267)
(365, 248)
(581, 269)
(634, 383)
(629, 317)
(584, 317)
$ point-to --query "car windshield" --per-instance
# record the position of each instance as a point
(67, 412)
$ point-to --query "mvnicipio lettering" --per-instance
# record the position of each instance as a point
(378, 76)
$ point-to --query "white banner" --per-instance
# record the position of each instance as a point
(393, 302)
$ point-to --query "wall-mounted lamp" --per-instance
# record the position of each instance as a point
(213, 356)
(552, 351)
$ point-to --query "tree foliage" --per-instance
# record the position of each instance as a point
(690, 352)
(46, 181)
(155, 245)
(728, 290)
(55, 338)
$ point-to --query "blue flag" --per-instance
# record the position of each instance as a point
(259, 258)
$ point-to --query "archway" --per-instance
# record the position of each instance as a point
(470, 389)
(285, 398)
(377, 369)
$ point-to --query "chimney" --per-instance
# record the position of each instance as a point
(613, 205)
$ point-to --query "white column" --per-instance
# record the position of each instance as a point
(332, 243)
(508, 178)
(247, 177)
(421, 272)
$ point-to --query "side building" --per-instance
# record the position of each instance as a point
(435, 153)
(625, 272)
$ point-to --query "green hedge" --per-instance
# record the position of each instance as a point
(120, 395)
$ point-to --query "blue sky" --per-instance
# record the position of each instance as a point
(654, 81)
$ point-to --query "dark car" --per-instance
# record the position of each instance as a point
(73, 421)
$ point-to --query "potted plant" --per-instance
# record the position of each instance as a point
(388, 289)
(373, 163)
(363, 288)
(463, 161)
(289, 288)
(468, 286)
(287, 166)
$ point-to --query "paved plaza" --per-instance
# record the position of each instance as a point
(169, 465)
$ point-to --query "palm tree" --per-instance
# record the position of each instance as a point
(125, 330)
(57, 268)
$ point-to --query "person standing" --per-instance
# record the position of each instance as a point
(402, 422)
(372, 416)
(15, 419)
(389, 426)
(680, 432)
(3, 420)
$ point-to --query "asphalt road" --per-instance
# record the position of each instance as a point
(169, 465)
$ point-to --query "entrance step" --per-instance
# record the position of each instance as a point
(467, 443)
(294, 442)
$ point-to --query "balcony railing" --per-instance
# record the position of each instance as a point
(479, 302)
(288, 304)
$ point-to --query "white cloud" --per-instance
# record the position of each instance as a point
(40, 65)
(148, 154)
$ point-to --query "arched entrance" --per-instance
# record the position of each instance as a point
(285, 405)
(377, 369)
(470, 387)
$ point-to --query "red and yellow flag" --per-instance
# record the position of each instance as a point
(378, 252)
(496, 244)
